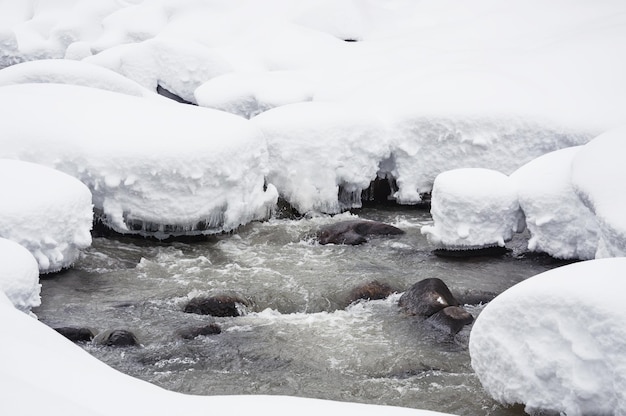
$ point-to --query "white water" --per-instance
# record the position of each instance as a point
(297, 336)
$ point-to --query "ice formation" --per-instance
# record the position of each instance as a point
(153, 168)
(599, 179)
(473, 208)
(557, 220)
(19, 277)
(46, 211)
(555, 341)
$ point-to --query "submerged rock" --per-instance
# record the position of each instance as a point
(354, 232)
(76, 334)
(221, 305)
(370, 291)
(452, 318)
(117, 338)
(194, 332)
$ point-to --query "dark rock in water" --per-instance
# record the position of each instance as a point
(452, 318)
(427, 297)
(370, 291)
(168, 94)
(353, 232)
(221, 305)
(117, 338)
(492, 251)
(76, 334)
(193, 332)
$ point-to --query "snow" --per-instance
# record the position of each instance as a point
(154, 168)
(559, 223)
(599, 179)
(473, 208)
(46, 211)
(46, 372)
(19, 277)
(556, 341)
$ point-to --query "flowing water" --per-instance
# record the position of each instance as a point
(297, 336)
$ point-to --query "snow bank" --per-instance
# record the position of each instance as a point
(559, 223)
(556, 341)
(599, 179)
(317, 149)
(19, 277)
(44, 210)
(62, 71)
(64, 379)
(153, 168)
(473, 208)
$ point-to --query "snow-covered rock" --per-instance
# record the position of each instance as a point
(317, 149)
(44, 373)
(559, 223)
(63, 71)
(556, 341)
(599, 179)
(473, 208)
(19, 276)
(153, 168)
(249, 94)
(46, 211)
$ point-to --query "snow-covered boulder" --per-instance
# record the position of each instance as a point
(19, 276)
(319, 149)
(556, 341)
(46, 211)
(559, 223)
(599, 179)
(249, 94)
(63, 71)
(153, 168)
(473, 208)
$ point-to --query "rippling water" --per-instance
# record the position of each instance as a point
(298, 336)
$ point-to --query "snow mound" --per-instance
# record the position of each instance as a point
(424, 146)
(153, 168)
(559, 223)
(44, 210)
(473, 208)
(178, 66)
(599, 179)
(249, 94)
(19, 278)
(62, 71)
(556, 341)
(322, 155)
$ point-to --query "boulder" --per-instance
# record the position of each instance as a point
(117, 338)
(220, 305)
(76, 334)
(452, 318)
(427, 297)
(354, 232)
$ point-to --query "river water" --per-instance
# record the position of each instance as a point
(298, 336)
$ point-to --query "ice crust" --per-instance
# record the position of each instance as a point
(473, 208)
(19, 277)
(153, 168)
(46, 211)
(555, 341)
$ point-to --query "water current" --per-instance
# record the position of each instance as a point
(298, 336)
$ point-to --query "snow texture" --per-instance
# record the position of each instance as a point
(599, 179)
(556, 341)
(559, 223)
(154, 168)
(44, 372)
(473, 208)
(46, 211)
(19, 277)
